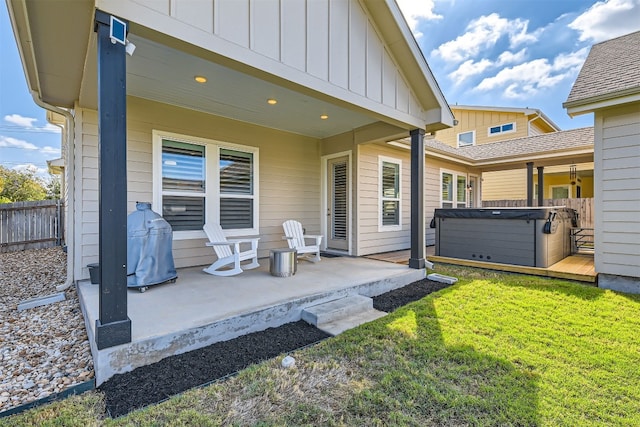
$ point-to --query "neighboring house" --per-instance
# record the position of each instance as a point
(237, 112)
(609, 86)
(480, 125)
(454, 175)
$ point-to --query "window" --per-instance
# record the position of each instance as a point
(236, 189)
(560, 191)
(197, 180)
(466, 138)
(390, 194)
(454, 190)
(183, 185)
(506, 128)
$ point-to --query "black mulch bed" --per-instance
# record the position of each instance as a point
(176, 374)
(173, 375)
(392, 300)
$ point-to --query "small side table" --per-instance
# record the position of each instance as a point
(283, 262)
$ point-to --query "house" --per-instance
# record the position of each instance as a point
(608, 85)
(245, 113)
(480, 125)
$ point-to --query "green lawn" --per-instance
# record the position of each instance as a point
(495, 349)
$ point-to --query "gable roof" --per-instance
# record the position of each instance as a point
(611, 71)
(526, 111)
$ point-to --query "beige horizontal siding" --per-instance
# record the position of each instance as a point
(369, 239)
(617, 195)
(289, 168)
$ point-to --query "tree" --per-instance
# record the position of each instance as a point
(53, 187)
(20, 186)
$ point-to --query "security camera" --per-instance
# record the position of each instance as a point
(129, 48)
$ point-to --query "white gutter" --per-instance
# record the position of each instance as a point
(529, 123)
(70, 136)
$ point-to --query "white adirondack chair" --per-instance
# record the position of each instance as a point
(296, 238)
(228, 252)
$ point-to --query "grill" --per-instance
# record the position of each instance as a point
(149, 249)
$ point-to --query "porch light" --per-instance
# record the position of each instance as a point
(272, 101)
(573, 174)
(324, 117)
(200, 79)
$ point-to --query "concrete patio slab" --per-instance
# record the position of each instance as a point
(201, 309)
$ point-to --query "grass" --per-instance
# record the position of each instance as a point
(495, 349)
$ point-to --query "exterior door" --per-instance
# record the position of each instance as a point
(338, 203)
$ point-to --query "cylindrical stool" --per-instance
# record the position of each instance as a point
(283, 262)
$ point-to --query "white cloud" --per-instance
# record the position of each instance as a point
(28, 123)
(50, 150)
(414, 10)
(527, 79)
(469, 68)
(608, 19)
(508, 57)
(7, 141)
(31, 168)
(51, 128)
(19, 120)
(484, 33)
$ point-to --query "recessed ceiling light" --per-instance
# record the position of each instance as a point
(324, 117)
(272, 101)
(200, 79)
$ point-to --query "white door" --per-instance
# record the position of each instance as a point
(338, 203)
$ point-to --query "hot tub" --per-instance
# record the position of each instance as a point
(533, 237)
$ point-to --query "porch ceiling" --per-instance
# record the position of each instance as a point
(164, 74)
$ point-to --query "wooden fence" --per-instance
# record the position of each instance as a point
(31, 225)
(584, 207)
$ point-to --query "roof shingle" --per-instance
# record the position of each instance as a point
(519, 147)
(612, 67)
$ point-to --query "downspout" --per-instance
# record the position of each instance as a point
(529, 123)
(70, 170)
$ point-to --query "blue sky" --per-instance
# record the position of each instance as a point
(504, 53)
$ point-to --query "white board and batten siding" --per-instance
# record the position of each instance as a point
(330, 46)
(289, 186)
(617, 192)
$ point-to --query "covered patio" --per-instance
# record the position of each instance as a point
(200, 309)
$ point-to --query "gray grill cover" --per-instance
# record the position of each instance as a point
(149, 248)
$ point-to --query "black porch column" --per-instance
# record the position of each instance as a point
(530, 184)
(417, 199)
(113, 326)
(540, 185)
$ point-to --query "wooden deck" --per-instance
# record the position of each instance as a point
(577, 267)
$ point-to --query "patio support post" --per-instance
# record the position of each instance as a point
(417, 199)
(530, 184)
(540, 185)
(113, 326)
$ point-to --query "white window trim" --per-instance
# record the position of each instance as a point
(501, 131)
(454, 191)
(398, 162)
(212, 179)
(466, 145)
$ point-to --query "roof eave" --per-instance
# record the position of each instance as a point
(402, 39)
(589, 105)
(19, 18)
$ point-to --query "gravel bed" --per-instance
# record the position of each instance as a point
(43, 350)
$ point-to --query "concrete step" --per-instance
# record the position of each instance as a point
(336, 309)
(337, 316)
(338, 326)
